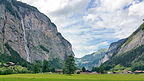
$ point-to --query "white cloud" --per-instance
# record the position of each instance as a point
(89, 49)
(59, 11)
(137, 9)
(117, 15)
(91, 28)
(112, 5)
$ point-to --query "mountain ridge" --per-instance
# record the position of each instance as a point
(130, 51)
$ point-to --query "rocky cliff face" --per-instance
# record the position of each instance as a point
(135, 40)
(113, 49)
(30, 33)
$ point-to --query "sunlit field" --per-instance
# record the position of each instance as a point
(76, 77)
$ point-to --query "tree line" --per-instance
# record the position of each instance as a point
(68, 67)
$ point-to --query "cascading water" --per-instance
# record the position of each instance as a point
(25, 41)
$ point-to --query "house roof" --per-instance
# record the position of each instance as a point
(11, 63)
(138, 71)
(58, 70)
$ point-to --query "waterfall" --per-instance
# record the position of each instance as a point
(25, 41)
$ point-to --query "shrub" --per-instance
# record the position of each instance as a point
(20, 69)
(78, 72)
(44, 49)
(7, 71)
(138, 66)
(13, 70)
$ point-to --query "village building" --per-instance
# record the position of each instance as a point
(127, 72)
(59, 71)
(6, 65)
(94, 73)
(138, 72)
(108, 72)
(9, 64)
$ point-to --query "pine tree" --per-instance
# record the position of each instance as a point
(36, 68)
(45, 67)
(101, 69)
(69, 65)
(83, 69)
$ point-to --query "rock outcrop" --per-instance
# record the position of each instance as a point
(113, 49)
(135, 40)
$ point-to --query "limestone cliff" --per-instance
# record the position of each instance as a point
(30, 33)
(113, 49)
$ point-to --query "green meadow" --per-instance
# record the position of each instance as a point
(75, 77)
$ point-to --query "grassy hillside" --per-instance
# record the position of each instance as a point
(127, 59)
(76, 77)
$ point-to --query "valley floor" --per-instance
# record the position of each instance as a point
(75, 77)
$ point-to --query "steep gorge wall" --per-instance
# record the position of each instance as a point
(30, 33)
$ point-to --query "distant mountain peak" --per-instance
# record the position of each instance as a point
(91, 60)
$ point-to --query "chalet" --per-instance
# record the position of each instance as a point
(128, 72)
(94, 73)
(6, 65)
(59, 71)
(11, 64)
(137, 72)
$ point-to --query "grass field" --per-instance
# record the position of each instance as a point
(75, 77)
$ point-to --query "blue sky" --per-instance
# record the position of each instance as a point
(90, 25)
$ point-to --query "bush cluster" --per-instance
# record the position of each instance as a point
(13, 70)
